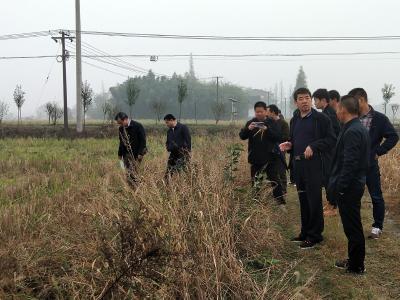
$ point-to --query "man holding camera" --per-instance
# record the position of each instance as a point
(263, 134)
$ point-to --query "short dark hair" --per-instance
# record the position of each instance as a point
(299, 91)
(121, 116)
(333, 94)
(321, 94)
(359, 92)
(274, 109)
(260, 104)
(351, 104)
(169, 117)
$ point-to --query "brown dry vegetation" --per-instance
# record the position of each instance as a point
(70, 227)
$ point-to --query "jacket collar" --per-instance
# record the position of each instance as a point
(349, 123)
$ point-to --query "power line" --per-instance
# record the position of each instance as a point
(109, 62)
(92, 55)
(105, 54)
(102, 68)
(246, 38)
(87, 45)
(26, 57)
(209, 37)
(88, 53)
(16, 36)
(245, 55)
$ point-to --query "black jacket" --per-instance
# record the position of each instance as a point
(331, 113)
(179, 140)
(325, 140)
(350, 161)
(283, 127)
(381, 128)
(133, 137)
(261, 146)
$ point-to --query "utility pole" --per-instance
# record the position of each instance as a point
(195, 110)
(281, 86)
(285, 107)
(218, 77)
(79, 123)
(233, 109)
(64, 58)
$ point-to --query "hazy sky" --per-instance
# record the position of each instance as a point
(205, 17)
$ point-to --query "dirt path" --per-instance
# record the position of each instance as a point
(382, 280)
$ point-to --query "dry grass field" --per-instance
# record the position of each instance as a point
(70, 227)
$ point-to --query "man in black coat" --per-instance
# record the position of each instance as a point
(275, 114)
(179, 145)
(132, 144)
(347, 180)
(310, 144)
(263, 135)
(383, 138)
(321, 101)
(334, 99)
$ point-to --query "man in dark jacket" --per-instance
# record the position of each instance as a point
(132, 144)
(311, 140)
(179, 145)
(321, 101)
(283, 127)
(263, 135)
(347, 181)
(383, 138)
(334, 99)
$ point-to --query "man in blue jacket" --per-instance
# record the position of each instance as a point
(347, 181)
(310, 144)
(383, 138)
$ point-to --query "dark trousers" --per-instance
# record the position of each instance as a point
(375, 191)
(282, 169)
(349, 208)
(308, 178)
(131, 165)
(176, 162)
(269, 170)
(331, 199)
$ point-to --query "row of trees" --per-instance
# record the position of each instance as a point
(187, 97)
(151, 97)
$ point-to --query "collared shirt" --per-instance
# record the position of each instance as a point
(366, 120)
(303, 134)
(129, 123)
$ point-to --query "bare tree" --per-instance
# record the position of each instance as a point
(57, 113)
(112, 112)
(19, 99)
(218, 109)
(87, 99)
(49, 109)
(387, 93)
(106, 108)
(182, 93)
(132, 93)
(158, 108)
(395, 108)
(3, 111)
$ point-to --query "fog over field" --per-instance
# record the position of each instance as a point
(224, 18)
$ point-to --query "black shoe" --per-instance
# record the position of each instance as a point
(358, 271)
(307, 245)
(298, 239)
(342, 264)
